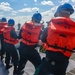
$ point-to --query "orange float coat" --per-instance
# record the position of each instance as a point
(2, 26)
(61, 36)
(30, 33)
(7, 37)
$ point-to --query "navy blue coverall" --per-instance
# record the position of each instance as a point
(11, 52)
(2, 46)
(28, 53)
(55, 63)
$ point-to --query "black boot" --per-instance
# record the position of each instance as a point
(15, 72)
(20, 72)
(8, 66)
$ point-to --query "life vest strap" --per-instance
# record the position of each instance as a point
(63, 35)
(9, 40)
(58, 47)
(29, 41)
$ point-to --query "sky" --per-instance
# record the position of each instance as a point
(22, 10)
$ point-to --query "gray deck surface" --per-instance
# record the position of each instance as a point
(29, 69)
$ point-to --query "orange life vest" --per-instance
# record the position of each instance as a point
(7, 37)
(2, 26)
(61, 36)
(30, 33)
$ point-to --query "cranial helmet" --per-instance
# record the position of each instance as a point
(37, 16)
(3, 19)
(65, 6)
(11, 22)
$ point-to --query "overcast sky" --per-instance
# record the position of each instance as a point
(22, 10)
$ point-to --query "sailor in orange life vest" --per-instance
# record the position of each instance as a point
(3, 23)
(10, 39)
(59, 41)
(29, 36)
